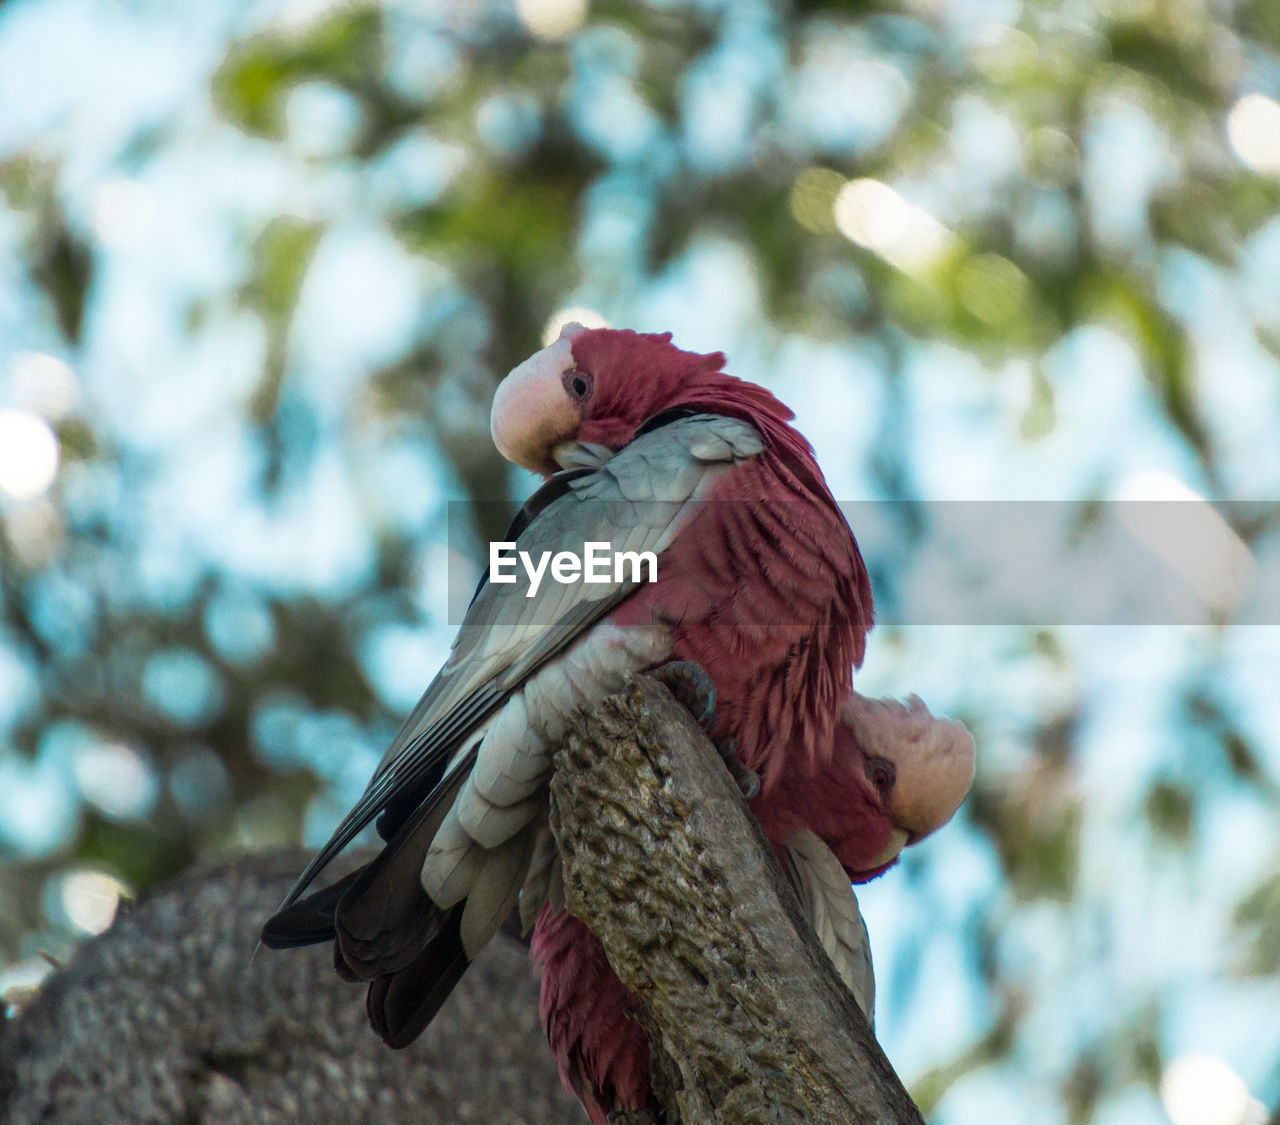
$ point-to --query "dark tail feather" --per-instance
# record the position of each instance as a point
(385, 917)
(308, 921)
(401, 1004)
(384, 927)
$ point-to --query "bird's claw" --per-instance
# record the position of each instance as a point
(748, 780)
(693, 688)
(695, 691)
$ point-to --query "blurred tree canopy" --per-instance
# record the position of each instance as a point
(264, 263)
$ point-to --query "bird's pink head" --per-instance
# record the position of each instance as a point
(601, 384)
(920, 766)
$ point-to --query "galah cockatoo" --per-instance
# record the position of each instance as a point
(759, 582)
(921, 768)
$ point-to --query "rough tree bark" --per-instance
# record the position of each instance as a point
(748, 1019)
(164, 1019)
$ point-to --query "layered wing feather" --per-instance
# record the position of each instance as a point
(832, 910)
(636, 501)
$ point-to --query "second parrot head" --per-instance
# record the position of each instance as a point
(920, 765)
(599, 385)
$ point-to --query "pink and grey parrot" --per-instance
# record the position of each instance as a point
(920, 768)
(759, 583)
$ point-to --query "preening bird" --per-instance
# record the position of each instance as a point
(907, 769)
(759, 583)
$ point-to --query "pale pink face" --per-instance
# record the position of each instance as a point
(540, 404)
(928, 762)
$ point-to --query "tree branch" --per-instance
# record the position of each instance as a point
(165, 1019)
(748, 1020)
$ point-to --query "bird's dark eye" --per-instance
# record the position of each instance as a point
(579, 384)
(881, 773)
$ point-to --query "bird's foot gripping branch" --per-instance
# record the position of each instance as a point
(694, 689)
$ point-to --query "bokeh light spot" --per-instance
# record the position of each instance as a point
(1253, 127)
(20, 983)
(992, 288)
(551, 19)
(124, 213)
(322, 119)
(239, 625)
(116, 779)
(44, 384)
(1201, 1089)
(90, 898)
(35, 532)
(28, 454)
(1193, 539)
(873, 215)
(38, 811)
(183, 686)
(813, 198)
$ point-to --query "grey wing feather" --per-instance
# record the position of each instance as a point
(832, 909)
(638, 499)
